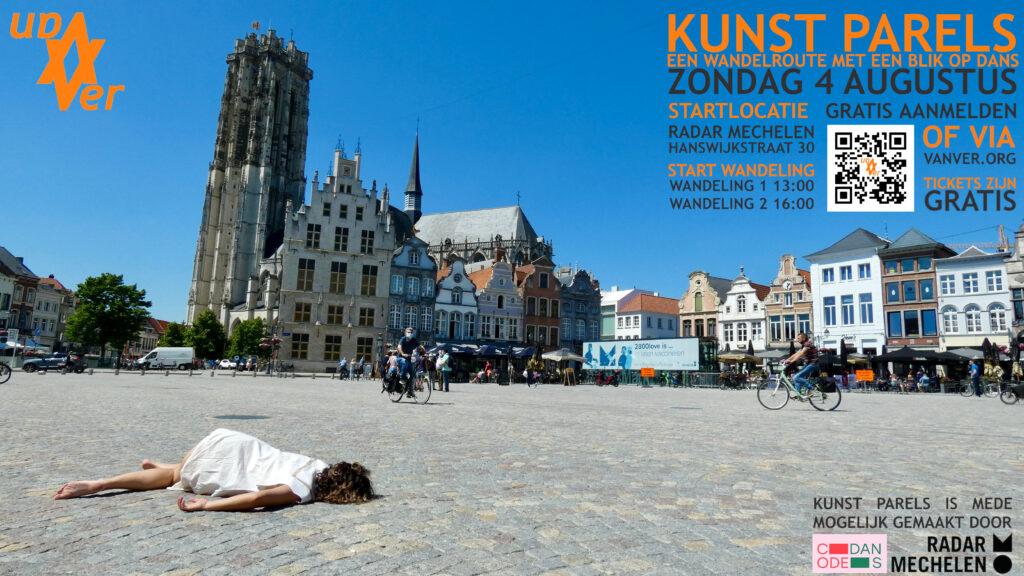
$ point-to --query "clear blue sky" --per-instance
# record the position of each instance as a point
(566, 103)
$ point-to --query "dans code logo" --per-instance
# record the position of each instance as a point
(849, 553)
(58, 48)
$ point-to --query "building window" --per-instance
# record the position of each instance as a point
(469, 323)
(456, 295)
(997, 319)
(343, 211)
(789, 299)
(911, 327)
(804, 323)
(340, 239)
(411, 315)
(595, 330)
(442, 323)
(994, 280)
(542, 307)
(892, 292)
(304, 279)
(366, 242)
(554, 308)
(910, 291)
(428, 288)
(949, 323)
(864, 271)
(846, 272)
(973, 314)
(359, 213)
(364, 349)
(332, 348)
(727, 332)
(300, 346)
(867, 315)
(327, 209)
(847, 303)
(924, 263)
(828, 275)
(927, 289)
(928, 323)
(414, 286)
(554, 336)
(741, 304)
(892, 267)
(335, 314)
(698, 302)
(312, 235)
(907, 265)
(339, 271)
(659, 323)
(1018, 304)
(649, 322)
(366, 316)
(513, 329)
(971, 283)
(501, 302)
(830, 311)
(620, 322)
(302, 312)
(543, 280)
(741, 332)
(581, 331)
(567, 328)
(895, 324)
(485, 326)
(947, 285)
(369, 282)
(581, 307)
(414, 258)
(499, 327)
(775, 328)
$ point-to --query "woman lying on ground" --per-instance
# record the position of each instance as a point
(247, 472)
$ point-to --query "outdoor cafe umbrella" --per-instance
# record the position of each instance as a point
(491, 350)
(908, 354)
(842, 350)
(736, 357)
(968, 353)
(562, 355)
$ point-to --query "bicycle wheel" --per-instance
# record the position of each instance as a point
(5, 372)
(395, 390)
(825, 401)
(966, 389)
(1007, 395)
(422, 387)
(991, 390)
(772, 395)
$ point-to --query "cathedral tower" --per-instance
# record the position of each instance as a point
(258, 163)
(413, 191)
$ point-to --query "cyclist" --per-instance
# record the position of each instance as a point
(809, 354)
(406, 347)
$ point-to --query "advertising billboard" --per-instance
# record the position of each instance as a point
(663, 354)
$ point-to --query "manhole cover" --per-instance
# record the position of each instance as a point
(241, 417)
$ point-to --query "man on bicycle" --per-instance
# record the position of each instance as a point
(406, 347)
(809, 354)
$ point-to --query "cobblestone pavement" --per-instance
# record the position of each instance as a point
(485, 479)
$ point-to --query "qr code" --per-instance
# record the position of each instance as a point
(871, 168)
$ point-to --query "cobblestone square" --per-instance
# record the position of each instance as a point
(485, 479)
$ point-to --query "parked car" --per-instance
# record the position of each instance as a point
(228, 364)
(52, 361)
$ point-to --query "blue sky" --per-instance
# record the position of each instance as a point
(565, 103)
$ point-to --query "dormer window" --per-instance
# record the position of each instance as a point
(414, 258)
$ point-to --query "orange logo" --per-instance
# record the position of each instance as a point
(58, 49)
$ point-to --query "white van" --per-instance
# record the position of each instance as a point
(180, 358)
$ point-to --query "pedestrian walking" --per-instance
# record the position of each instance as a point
(976, 377)
(444, 365)
(342, 369)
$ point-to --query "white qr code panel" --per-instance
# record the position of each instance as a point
(870, 168)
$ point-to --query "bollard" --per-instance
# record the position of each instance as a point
(253, 373)
(332, 375)
(313, 376)
(234, 373)
(167, 372)
(212, 372)
(90, 371)
(143, 372)
(117, 371)
(189, 372)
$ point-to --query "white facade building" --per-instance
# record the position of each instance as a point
(848, 293)
(455, 304)
(610, 300)
(741, 317)
(974, 299)
(646, 316)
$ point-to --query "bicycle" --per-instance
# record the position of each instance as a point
(5, 372)
(397, 387)
(1012, 392)
(989, 389)
(824, 395)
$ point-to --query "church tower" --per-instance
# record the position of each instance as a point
(258, 163)
(413, 191)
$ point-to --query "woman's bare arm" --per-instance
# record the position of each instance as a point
(279, 495)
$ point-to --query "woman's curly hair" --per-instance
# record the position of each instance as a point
(343, 483)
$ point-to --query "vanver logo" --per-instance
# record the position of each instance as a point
(58, 49)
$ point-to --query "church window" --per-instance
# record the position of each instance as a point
(304, 279)
(366, 244)
(369, 283)
(312, 235)
(327, 209)
(340, 239)
(339, 270)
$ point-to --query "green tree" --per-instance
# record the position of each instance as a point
(109, 313)
(245, 339)
(173, 337)
(207, 336)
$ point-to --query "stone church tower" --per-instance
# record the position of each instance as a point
(257, 168)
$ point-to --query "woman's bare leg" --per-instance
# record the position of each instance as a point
(153, 476)
(148, 464)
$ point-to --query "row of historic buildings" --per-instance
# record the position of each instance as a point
(863, 290)
(36, 307)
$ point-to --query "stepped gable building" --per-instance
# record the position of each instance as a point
(581, 308)
(476, 236)
(1015, 276)
(848, 293)
(911, 300)
(542, 294)
(411, 301)
(789, 305)
(698, 307)
(257, 168)
(973, 299)
(741, 317)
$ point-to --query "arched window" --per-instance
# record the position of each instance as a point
(428, 320)
(414, 258)
(997, 318)
(469, 326)
(973, 314)
(456, 326)
(456, 295)
(501, 301)
(698, 302)
(395, 316)
(949, 320)
(741, 303)
(414, 286)
(442, 324)
(411, 314)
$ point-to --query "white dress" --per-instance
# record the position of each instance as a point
(227, 463)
